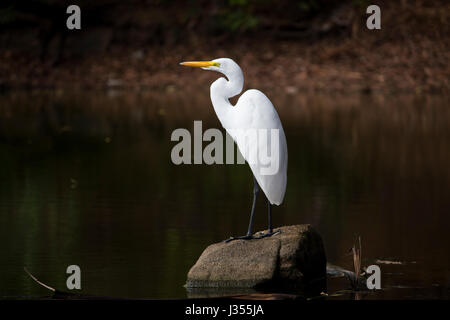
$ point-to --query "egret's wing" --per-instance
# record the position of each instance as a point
(257, 130)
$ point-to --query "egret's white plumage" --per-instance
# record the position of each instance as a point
(251, 123)
(253, 111)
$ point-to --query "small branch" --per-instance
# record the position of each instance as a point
(35, 279)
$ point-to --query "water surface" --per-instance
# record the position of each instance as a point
(86, 179)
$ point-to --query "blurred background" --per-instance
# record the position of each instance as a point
(305, 44)
(86, 117)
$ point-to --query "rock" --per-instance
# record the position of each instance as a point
(292, 259)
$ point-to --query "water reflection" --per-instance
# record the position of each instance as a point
(86, 179)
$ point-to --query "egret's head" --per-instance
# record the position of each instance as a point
(222, 65)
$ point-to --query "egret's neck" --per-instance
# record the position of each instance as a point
(223, 89)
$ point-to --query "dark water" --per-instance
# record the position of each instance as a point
(86, 179)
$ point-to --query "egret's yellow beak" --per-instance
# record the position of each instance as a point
(201, 64)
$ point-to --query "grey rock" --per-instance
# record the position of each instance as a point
(294, 258)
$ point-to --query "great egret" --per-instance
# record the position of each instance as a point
(252, 112)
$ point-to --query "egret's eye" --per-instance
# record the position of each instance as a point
(216, 64)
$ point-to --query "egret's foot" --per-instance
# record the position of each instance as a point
(267, 234)
(247, 237)
(250, 236)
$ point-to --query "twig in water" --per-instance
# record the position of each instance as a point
(41, 283)
(356, 250)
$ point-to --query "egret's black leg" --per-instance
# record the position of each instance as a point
(255, 196)
(269, 216)
(270, 232)
(249, 234)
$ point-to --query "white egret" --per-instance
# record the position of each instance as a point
(253, 112)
